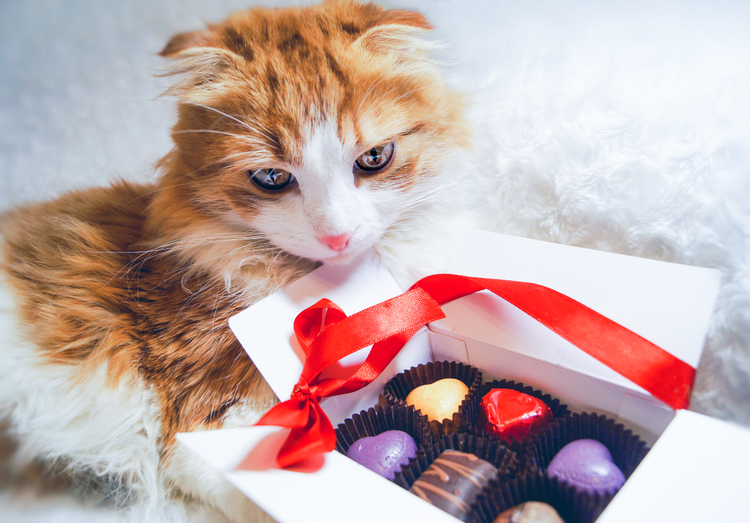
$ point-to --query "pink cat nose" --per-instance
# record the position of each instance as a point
(337, 242)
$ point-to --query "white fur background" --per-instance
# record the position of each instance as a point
(622, 126)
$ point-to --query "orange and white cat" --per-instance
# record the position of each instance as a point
(303, 136)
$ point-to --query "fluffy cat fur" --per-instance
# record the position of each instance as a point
(116, 299)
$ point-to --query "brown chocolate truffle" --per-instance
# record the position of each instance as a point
(453, 481)
(529, 512)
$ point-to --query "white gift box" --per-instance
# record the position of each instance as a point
(681, 479)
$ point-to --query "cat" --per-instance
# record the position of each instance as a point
(304, 136)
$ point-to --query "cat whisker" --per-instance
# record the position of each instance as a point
(431, 195)
(246, 139)
(132, 270)
(188, 173)
(222, 113)
(242, 120)
(166, 246)
(247, 242)
(266, 132)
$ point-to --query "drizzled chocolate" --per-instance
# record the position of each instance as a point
(453, 481)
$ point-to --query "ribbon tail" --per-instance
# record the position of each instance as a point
(316, 437)
(662, 374)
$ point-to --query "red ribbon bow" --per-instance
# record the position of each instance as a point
(327, 335)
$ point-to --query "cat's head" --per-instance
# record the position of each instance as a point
(315, 129)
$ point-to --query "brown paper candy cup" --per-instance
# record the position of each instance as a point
(558, 409)
(492, 451)
(505, 460)
(571, 505)
(627, 449)
(399, 387)
(377, 420)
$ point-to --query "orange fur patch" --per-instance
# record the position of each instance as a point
(90, 295)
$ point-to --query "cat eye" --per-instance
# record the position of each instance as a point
(271, 179)
(375, 159)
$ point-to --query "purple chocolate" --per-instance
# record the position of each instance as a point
(587, 465)
(384, 453)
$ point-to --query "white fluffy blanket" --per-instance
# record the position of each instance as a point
(622, 126)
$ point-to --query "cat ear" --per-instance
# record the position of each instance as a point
(398, 31)
(407, 18)
(209, 68)
(183, 41)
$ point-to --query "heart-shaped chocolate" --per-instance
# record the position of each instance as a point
(384, 453)
(440, 400)
(509, 414)
(587, 465)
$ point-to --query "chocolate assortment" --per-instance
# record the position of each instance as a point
(497, 452)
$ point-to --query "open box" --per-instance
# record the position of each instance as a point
(696, 470)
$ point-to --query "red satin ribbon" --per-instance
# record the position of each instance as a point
(327, 335)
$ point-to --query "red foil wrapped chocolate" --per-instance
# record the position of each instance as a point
(513, 415)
